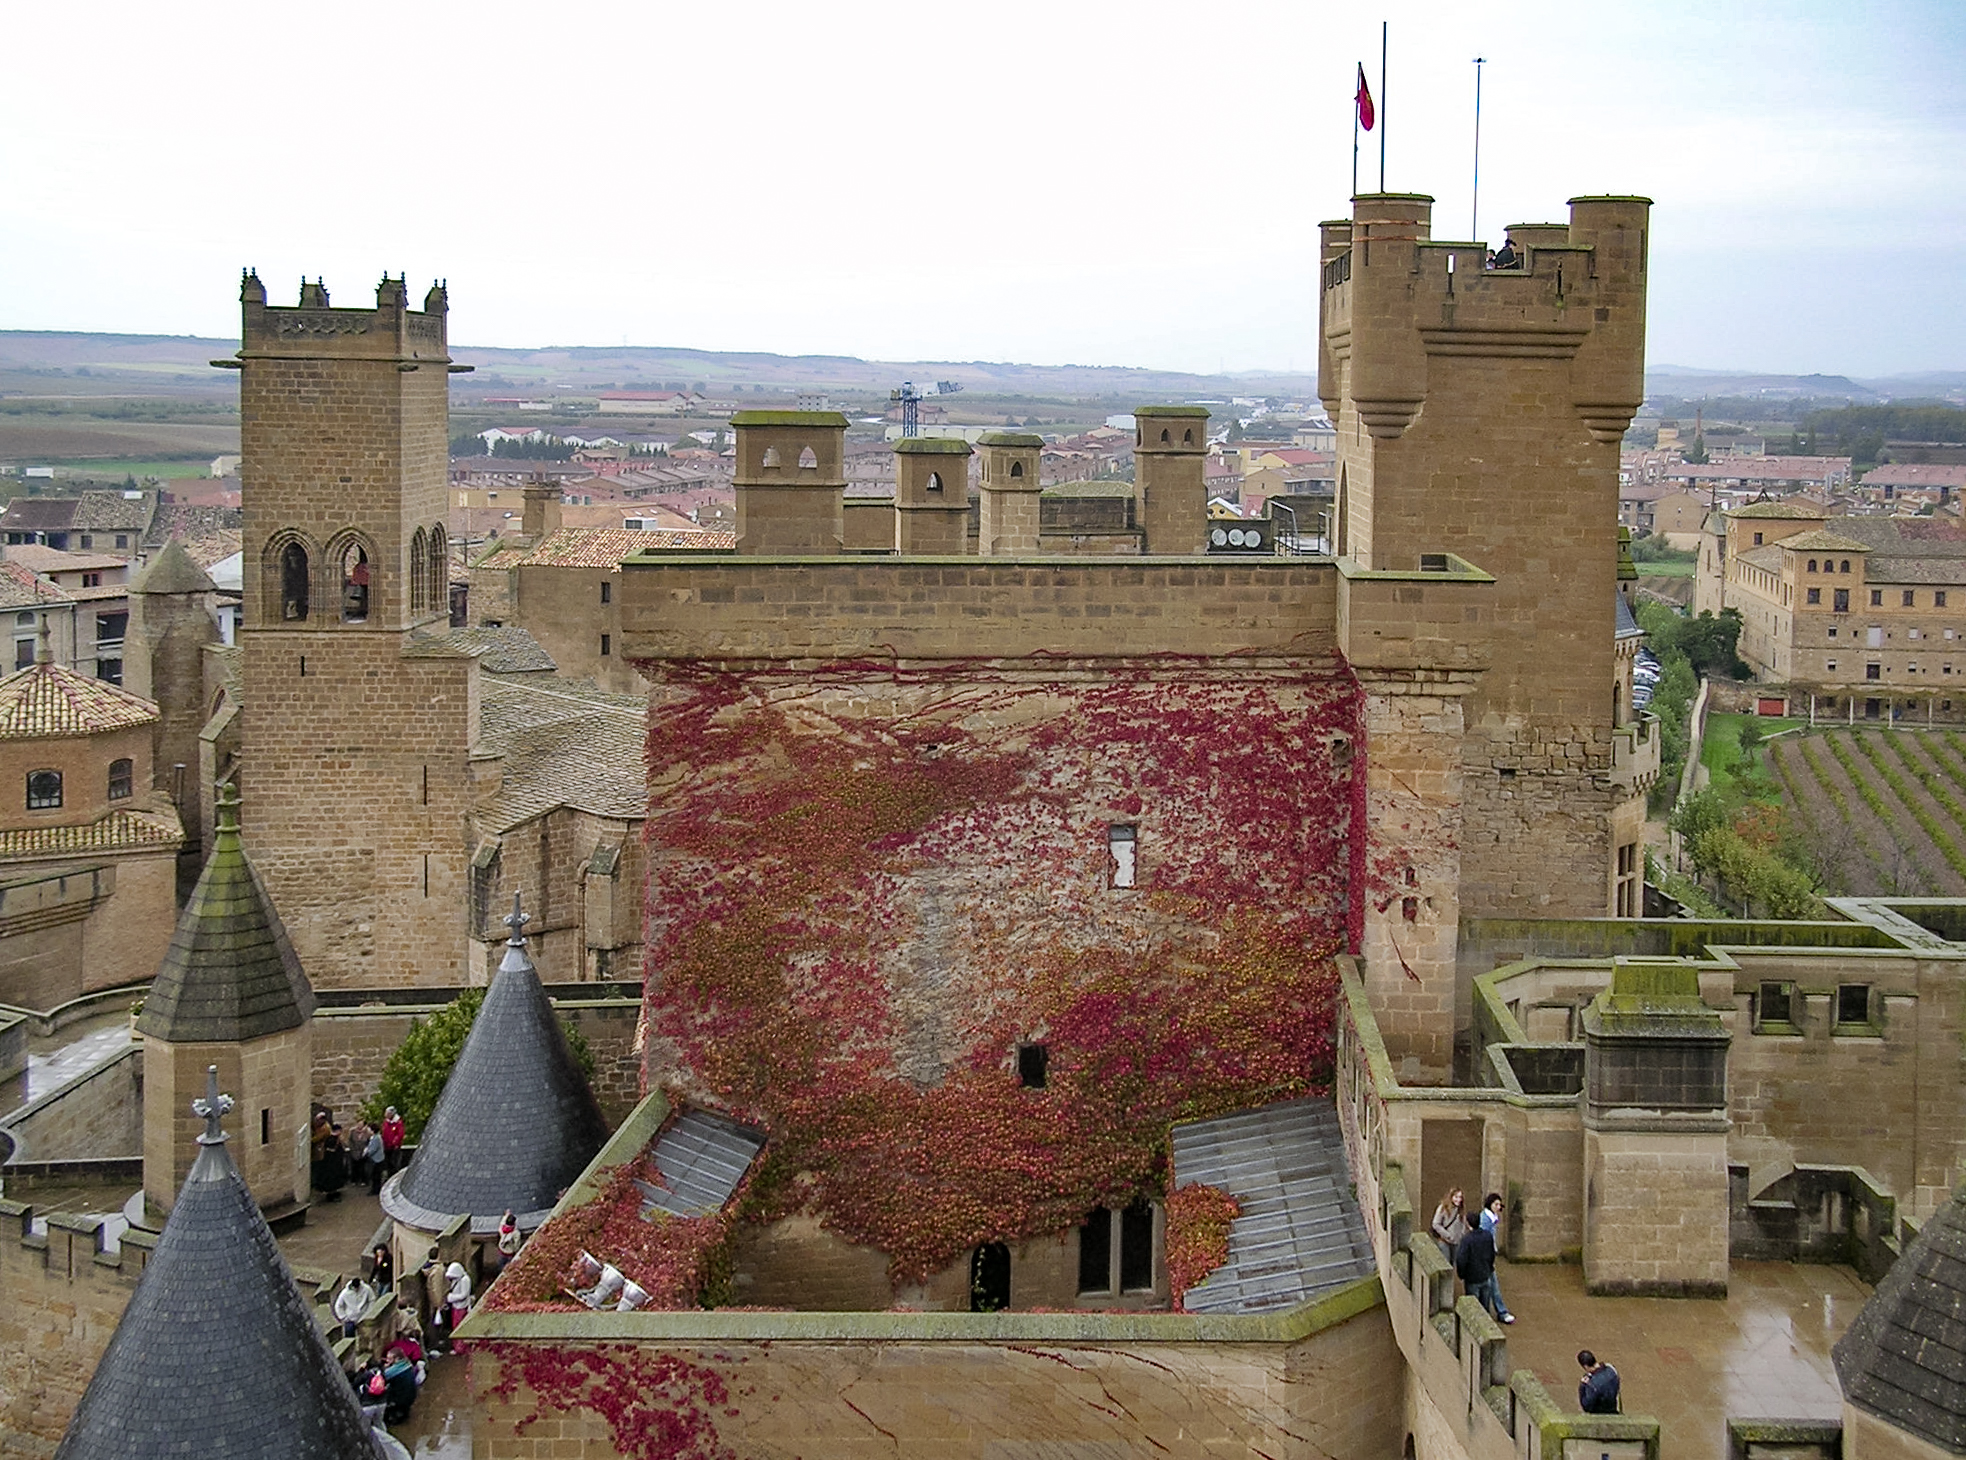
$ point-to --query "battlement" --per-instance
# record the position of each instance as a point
(314, 328)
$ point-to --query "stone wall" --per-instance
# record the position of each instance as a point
(351, 1046)
(1005, 1387)
(1013, 608)
(563, 609)
(97, 1114)
(64, 1298)
(267, 1078)
(356, 779)
(1654, 1205)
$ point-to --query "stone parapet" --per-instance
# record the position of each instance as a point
(827, 608)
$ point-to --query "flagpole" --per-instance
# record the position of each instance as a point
(1355, 144)
(1474, 208)
(1382, 104)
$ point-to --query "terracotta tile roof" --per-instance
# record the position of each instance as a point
(21, 587)
(1780, 511)
(603, 547)
(1822, 541)
(120, 831)
(34, 556)
(1915, 474)
(45, 700)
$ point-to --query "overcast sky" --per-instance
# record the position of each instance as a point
(1074, 181)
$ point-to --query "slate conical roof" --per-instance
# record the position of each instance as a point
(230, 974)
(516, 1123)
(217, 1354)
(172, 571)
(1904, 1359)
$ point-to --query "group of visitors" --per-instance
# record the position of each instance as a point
(363, 1153)
(1470, 1246)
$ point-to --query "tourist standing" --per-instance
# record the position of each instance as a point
(509, 1240)
(1598, 1391)
(351, 1303)
(392, 1140)
(1474, 1260)
(376, 1156)
(1451, 1221)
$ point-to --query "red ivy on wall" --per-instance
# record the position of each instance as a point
(868, 885)
(1198, 1219)
(657, 1405)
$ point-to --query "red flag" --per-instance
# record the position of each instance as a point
(1366, 116)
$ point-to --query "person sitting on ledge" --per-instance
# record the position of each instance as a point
(1506, 256)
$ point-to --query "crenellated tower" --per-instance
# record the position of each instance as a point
(357, 726)
(1479, 413)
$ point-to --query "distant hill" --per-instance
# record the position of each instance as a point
(36, 362)
(1688, 383)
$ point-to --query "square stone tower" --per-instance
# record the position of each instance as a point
(1479, 413)
(357, 736)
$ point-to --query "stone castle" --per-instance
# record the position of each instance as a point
(963, 878)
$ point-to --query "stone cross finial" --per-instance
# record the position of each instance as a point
(226, 799)
(211, 1106)
(517, 922)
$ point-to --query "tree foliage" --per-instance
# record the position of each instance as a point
(1708, 642)
(417, 1071)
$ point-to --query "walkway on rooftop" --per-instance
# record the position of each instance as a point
(1760, 1352)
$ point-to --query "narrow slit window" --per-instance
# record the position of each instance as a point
(607, 645)
(265, 1125)
(1122, 846)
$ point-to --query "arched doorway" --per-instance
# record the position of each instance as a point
(989, 1278)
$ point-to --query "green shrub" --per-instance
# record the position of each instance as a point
(417, 1071)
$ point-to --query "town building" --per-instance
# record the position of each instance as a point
(1849, 617)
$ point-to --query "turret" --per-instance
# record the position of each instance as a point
(931, 495)
(1170, 448)
(1010, 487)
(791, 476)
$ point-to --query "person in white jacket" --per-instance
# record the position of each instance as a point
(458, 1298)
(351, 1303)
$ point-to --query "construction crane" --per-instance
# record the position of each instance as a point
(911, 400)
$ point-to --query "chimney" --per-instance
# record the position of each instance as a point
(542, 513)
(1170, 448)
(1010, 493)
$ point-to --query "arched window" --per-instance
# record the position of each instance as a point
(1017, 468)
(293, 582)
(43, 790)
(437, 568)
(770, 457)
(1164, 437)
(1846, 566)
(1812, 565)
(808, 459)
(1187, 438)
(419, 579)
(935, 481)
(122, 775)
(354, 584)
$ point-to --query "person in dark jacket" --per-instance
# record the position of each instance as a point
(1598, 1393)
(1474, 1261)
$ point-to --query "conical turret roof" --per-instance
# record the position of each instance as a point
(230, 974)
(1904, 1359)
(217, 1354)
(172, 571)
(516, 1123)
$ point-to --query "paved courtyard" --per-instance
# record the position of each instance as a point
(1760, 1352)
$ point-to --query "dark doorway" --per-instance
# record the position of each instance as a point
(1450, 1155)
(989, 1278)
